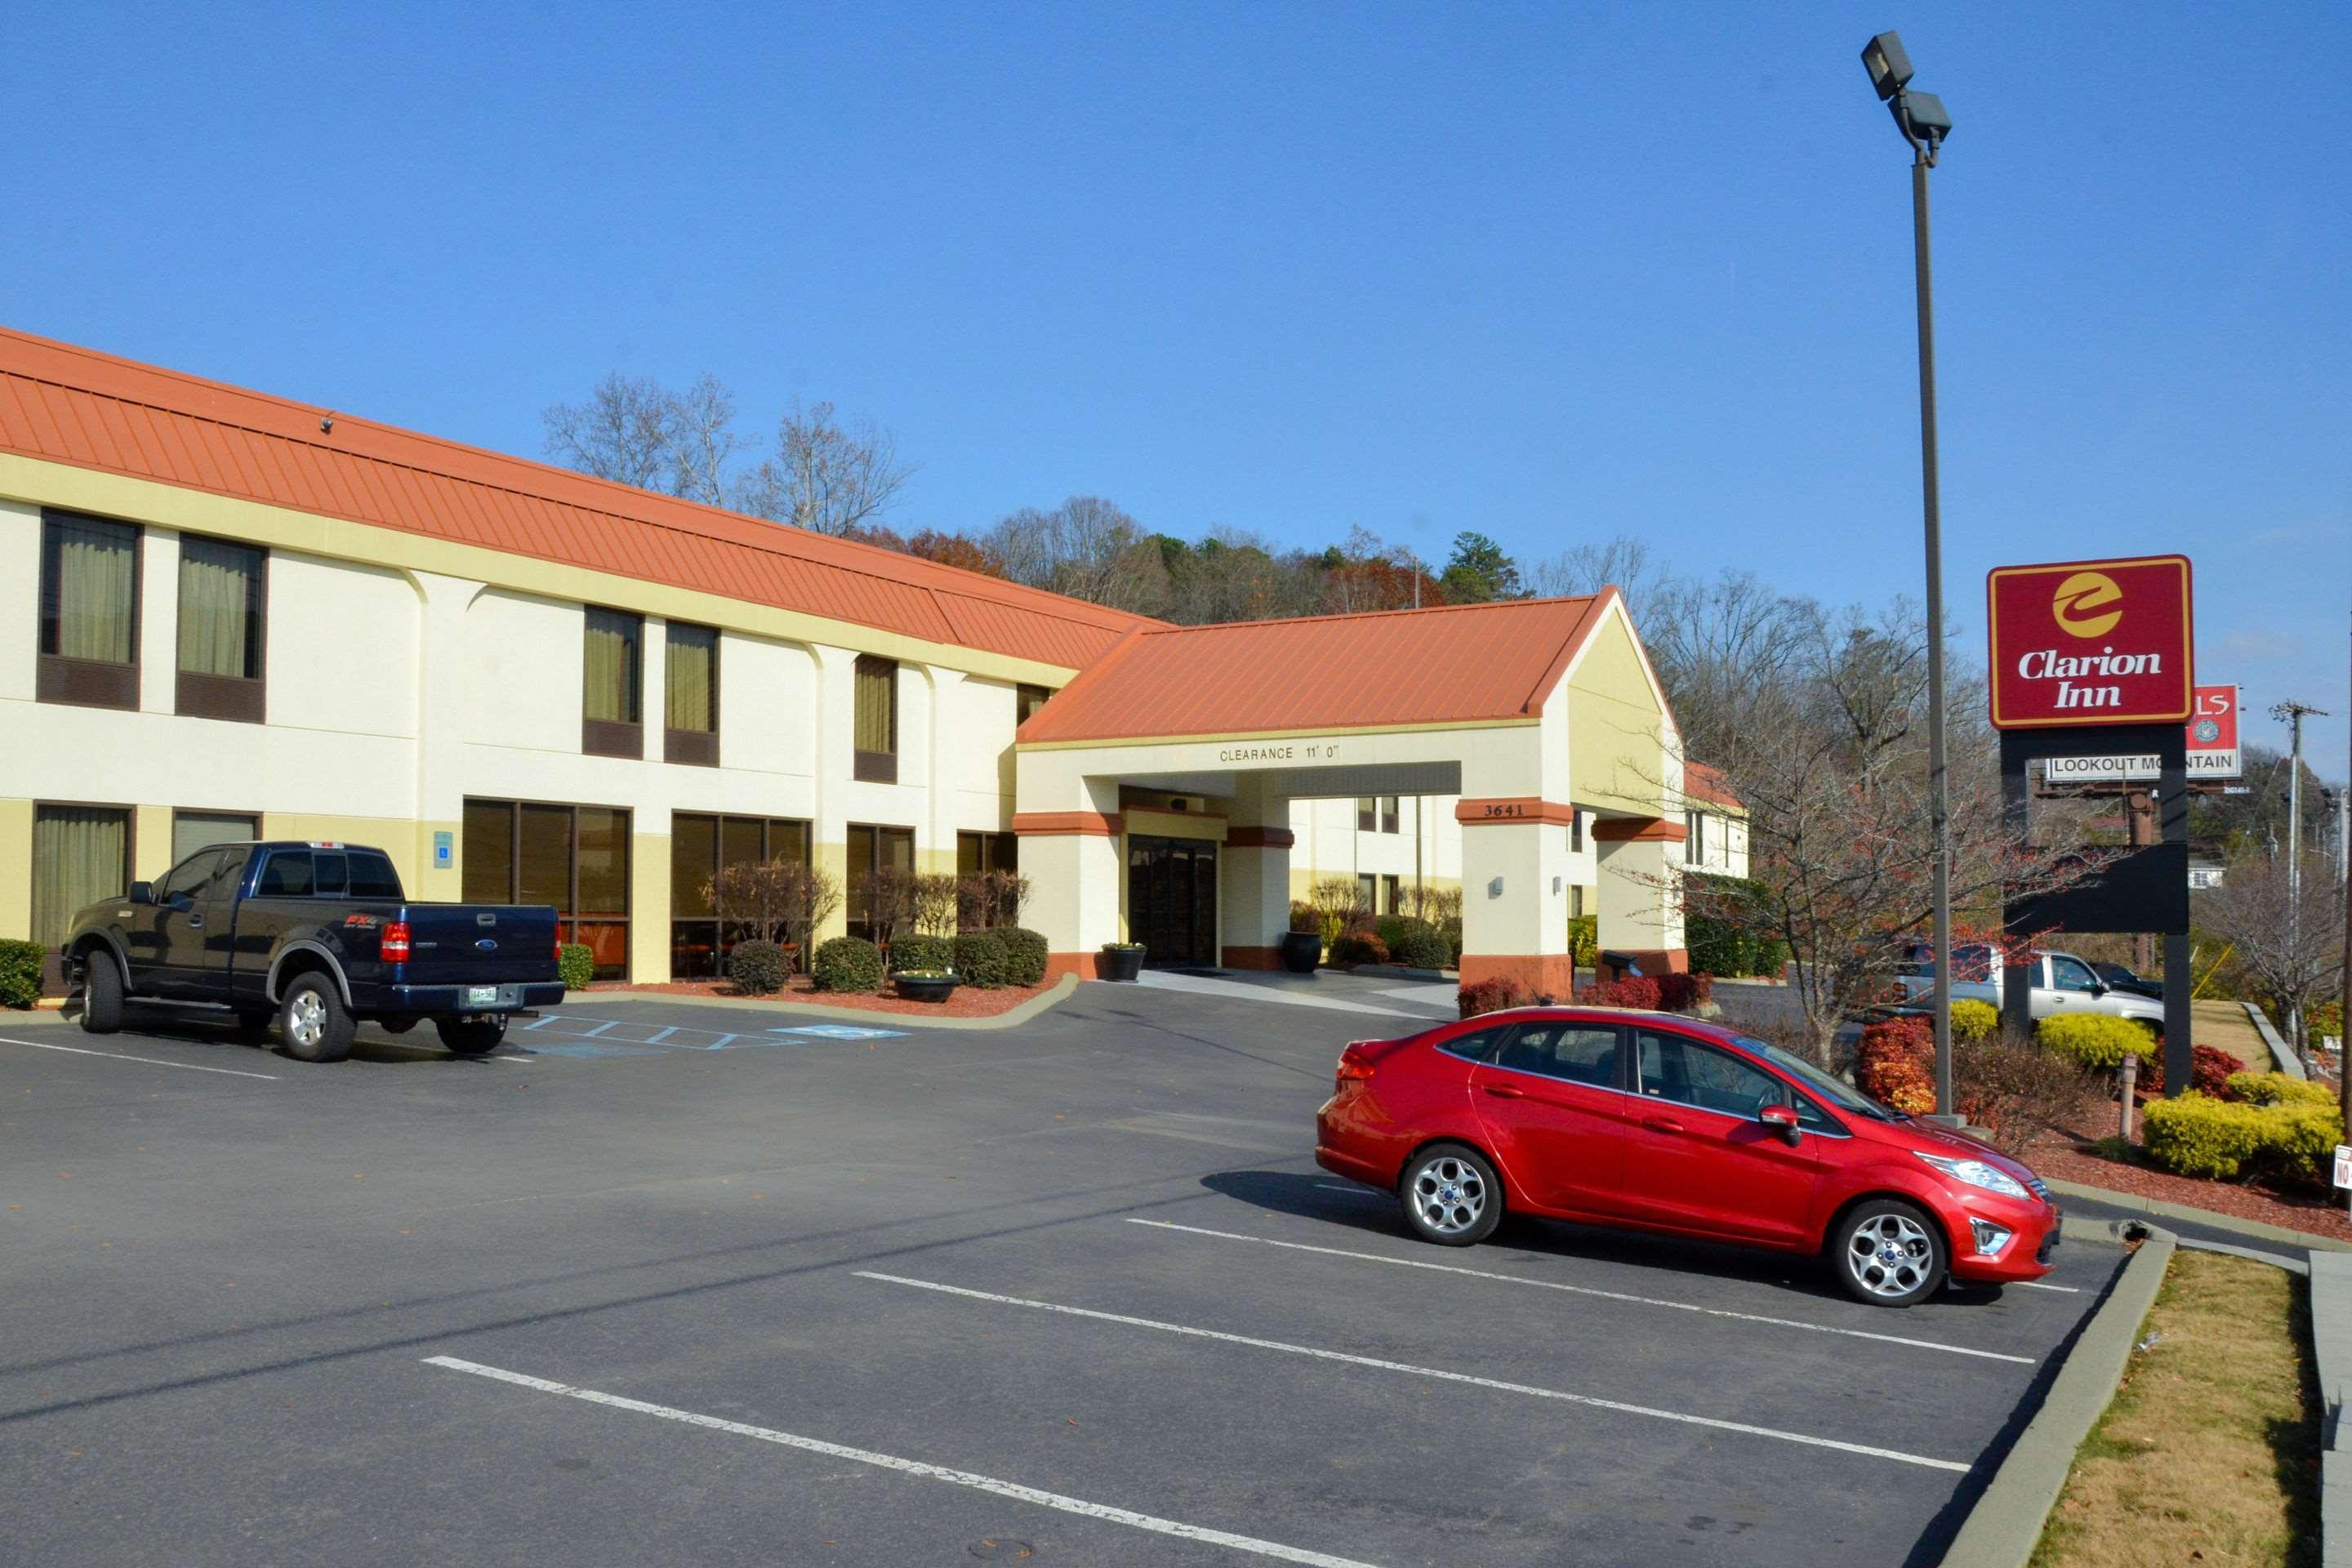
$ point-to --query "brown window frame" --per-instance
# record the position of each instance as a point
(874, 767)
(853, 921)
(613, 737)
(1368, 813)
(1390, 813)
(53, 969)
(724, 934)
(88, 682)
(242, 699)
(1027, 700)
(696, 748)
(568, 918)
(172, 828)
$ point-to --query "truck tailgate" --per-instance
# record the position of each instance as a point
(479, 944)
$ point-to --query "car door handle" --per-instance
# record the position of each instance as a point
(1505, 1091)
(1661, 1124)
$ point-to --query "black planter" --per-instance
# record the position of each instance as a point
(1301, 950)
(1122, 962)
(925, 987)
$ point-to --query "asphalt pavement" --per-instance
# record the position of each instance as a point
(669, 1284)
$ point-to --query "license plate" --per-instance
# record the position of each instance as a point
(481, 996)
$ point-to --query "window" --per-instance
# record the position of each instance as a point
(90, 613)
(872, 849)
(1576, 900)
(80, 854)
(1389, 890)
(2065, 973)
(700, 847)
(1477, 1045)
(611, 718)
(875, 721)
(1579, 1053)
(1026, 700)
(1368, 814)
(1368, 893)
(1575, 831)
(1390, 814)
(195, 830)
(1689, 1073)
(222, 596)
(1695, 838)
(690, 695)
(982, 855)
(340, 873)
(576, 857)
(193, 872)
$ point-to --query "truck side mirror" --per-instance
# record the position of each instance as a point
(143, 892)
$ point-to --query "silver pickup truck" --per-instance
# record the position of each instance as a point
(2062, 984)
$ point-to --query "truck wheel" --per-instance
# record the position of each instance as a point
(471, 1036)
(312, 1019)
(102, 994)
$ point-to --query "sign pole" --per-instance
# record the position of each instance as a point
(1939, 828)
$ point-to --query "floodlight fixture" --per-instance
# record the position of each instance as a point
(1888, 64)
(1924, 117)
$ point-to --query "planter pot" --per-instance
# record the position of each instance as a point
(1301, 950)
(926, 987)
(1122, 962)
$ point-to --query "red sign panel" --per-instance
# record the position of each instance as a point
(2091, 642)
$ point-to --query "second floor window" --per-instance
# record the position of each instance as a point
(1390, 814)
(690, 694)
(612, 710)
(221, 621)
(90, 613)
(875, 722)
(1368, 813)
(1026, 700)
(1695, 843)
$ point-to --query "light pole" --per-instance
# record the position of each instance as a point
(2293, 714)
(1921, 118)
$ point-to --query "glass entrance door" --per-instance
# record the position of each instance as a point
(1171, 900)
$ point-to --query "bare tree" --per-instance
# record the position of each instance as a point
(936, 898)
(1087, 548)
(825, 477)
(2291, 940)
(623, 432)
(703, 444)
(1623, 562)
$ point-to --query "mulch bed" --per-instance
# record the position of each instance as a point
(966, 1002)
(2066, 1159)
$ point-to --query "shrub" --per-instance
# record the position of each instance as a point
(2012, 1089)
(758, 968)
(2210, 1072)
(1640, 991)
(1973, 1020)
(575, 964)
(849, 963)
(1898, 1064)
(1424, 948)
(1727, 930)
(1491, 997)
(2288, 1139)
(1025, 955)
(917, 952)
(982, 959)
(1584, 939)
(1356, 947)
(2095, 1039)
(20, 973)
(1685, 993)
(2277, 1088)
(1303, 917)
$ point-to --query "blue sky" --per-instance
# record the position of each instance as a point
(1552, 272)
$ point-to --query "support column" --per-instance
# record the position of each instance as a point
(1072, 861)
(1253, 879)
(1641, 900)
(1515, 865)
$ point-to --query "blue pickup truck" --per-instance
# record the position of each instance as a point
(314, 937)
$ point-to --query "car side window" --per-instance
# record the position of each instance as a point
(187, 876)
(1681, 1069)
(228, 866)
(1477, 1045)
(1813, 1118)
(329, 874)
(2072, 974)
(373, 877)
(1578, 1053)
(288, 875)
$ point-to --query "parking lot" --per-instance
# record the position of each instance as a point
(1069, 1292)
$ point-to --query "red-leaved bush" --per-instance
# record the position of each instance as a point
(1897, 1064)
(2209, 1068)
(1356, 947)
(1636, 991)
(1492, 996)
(1685, 993)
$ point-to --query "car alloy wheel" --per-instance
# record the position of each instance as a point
(1890, 1256)
(1449, 1194)
(306, 1020)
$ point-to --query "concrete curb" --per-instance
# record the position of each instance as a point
(2005, 1526)
(788, 1011)
(2283, 1055)
(2190, 1215)
(2331, 1352)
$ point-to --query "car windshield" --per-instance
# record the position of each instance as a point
(1829, 1086)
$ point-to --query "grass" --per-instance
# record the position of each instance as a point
(2224, 1024)
(2210, 1451)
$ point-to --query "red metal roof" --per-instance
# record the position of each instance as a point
(1449, 665)
(69, 405)
(1706, 785)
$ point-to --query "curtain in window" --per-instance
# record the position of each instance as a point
(80, 854)
(93, 588)
(690, 680)
(195, 830)
(220, 606)
(878, 687)
(610, 694)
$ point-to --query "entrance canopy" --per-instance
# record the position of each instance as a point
(1527, 710)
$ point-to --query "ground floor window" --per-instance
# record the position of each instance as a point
(1368, 893)
(700, 845)
(1576, 900)
(977, 856)
(574, 856)
(195, 830)
(80, 854)
(872, 849)
(1391, 899)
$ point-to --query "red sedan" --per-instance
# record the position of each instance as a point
(1655, 1121)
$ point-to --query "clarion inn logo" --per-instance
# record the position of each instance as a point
(2090, 642)
(2087, 590)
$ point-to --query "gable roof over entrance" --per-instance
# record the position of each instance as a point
(62, 404)
(1452, 665)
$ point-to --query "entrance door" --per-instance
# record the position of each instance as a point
(1171, 900)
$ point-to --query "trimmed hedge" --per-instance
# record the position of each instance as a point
(918, 951)
(2210, 1072)
(1356, 947)
(1423, 949)
(1492, 996)
(575, 963)
(982, 959)
(1685, 993)
(1025, 955)
(845, 963)
(1393, 929)
(758, 968)
(2095, 1039)
(1638, 991)
(1973, 1020)
(2196, 1135)
(2277, 1088)
(20, 973)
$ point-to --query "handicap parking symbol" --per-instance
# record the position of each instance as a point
(842, 1031)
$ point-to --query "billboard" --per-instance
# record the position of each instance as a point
(2090, 642)
(2212, 749)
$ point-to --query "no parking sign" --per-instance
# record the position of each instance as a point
(2344, 1164)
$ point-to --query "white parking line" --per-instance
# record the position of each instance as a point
(1716, 1423)
(1584, 1290)
(2038, 1285)
(1013, 1489)
(151, 1062)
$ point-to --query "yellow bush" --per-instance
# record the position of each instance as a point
(2197, 1136)
(2277, 1088)
(1973, 1020)
(2095, 1039)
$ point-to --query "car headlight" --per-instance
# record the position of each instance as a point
(1977, 1173)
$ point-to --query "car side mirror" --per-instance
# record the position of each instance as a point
(1781, 1118)
(143, 892)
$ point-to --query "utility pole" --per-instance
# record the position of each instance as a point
(2293, 713)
